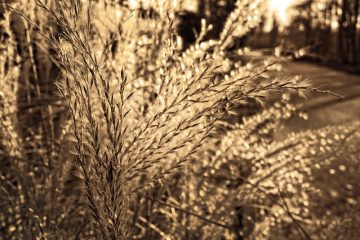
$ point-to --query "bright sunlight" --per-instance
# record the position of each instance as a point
(280, 7)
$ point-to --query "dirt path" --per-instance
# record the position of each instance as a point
(326, 109)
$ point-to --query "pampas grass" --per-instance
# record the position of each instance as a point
(144, 140)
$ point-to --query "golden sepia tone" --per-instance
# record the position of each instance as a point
(179, 119)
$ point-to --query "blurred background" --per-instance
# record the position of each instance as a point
(323, 31)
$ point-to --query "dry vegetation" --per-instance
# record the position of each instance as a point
(111, 130)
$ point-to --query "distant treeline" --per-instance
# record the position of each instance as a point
(328, 30)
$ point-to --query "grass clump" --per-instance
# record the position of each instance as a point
(145, 139)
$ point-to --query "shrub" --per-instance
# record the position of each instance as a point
(145, 140)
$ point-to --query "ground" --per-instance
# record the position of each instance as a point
(326, 109)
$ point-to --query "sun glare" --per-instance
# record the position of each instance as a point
(280, 8)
